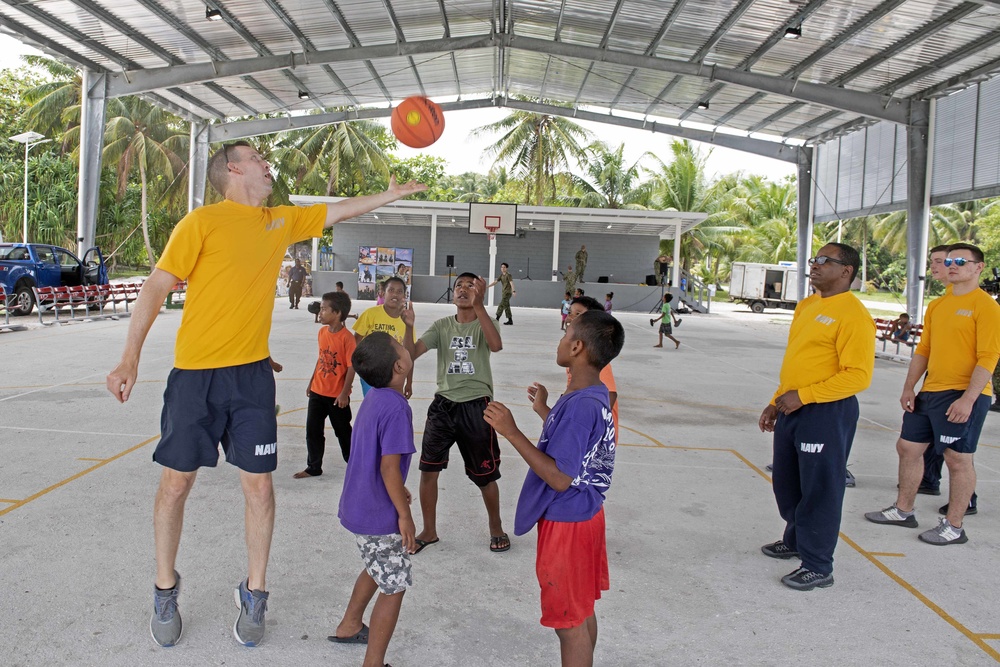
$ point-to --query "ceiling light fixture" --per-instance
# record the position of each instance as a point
(213, 14)
(703, 105)
(303, 95)
(609, 226)
(793, 32)
(376, 215)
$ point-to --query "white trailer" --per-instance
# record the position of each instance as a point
(764, 285)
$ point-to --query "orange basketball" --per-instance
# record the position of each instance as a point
(417, 122)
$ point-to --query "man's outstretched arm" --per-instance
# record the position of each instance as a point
(355, 206)
(151, 297)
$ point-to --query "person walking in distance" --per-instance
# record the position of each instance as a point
(814, 414)
(958, 351)
(222, 387)
(581, 263)
(296, 278)
(507, 291)
(668, 320)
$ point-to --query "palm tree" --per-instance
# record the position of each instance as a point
(536, 146)
(55, 104)
(609, 182)
(143, 137)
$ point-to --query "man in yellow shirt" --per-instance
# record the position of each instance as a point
(222, 386)
(814, 413)
(958, 350)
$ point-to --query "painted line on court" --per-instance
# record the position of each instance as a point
(56, 430)
(36, 496)
(85, 458)
(871, 556)
(8, 500)
(884, 554)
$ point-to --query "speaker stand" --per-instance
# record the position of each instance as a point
(447, 294)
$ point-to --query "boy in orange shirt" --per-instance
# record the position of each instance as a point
(329, 389)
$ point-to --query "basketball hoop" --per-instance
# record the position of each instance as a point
(491, 232)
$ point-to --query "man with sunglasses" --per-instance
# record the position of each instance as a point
(814, 413)
(222, 387)
(958, 350)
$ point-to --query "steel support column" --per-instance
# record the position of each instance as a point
(434, 243)
(555, 250)
(197, 165)
(806, 189)
(676, 278)
(92, 122)
(919, 166)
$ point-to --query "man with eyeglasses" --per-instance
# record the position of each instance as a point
(222, 386)
(814, 413)
(958, 350)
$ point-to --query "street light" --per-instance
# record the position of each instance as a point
(29, 139)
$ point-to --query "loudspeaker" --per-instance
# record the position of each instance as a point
(602, 279)
(450, 261)
(651, 280)
(664, 267)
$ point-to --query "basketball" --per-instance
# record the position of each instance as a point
(417, 122)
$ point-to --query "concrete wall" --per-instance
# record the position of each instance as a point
(530, 293)
(625, 259)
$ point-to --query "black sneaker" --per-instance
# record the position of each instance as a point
(969, 511)
(806, 580)
(925, 490)
(850, 482)
(778, 550)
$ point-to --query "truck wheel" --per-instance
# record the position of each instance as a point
(757, 307)
(24, 300)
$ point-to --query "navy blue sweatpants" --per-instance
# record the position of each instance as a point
(811, 447)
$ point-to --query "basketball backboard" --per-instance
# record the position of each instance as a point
(497, 219)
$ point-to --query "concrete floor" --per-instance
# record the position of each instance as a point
(688, 510)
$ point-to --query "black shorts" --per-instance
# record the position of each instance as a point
(928, 422)
(232, 405)
(448, 423)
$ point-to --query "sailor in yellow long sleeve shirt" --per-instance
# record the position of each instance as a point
(958, 350)
(814, 413)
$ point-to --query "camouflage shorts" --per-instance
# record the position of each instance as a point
(386, 561)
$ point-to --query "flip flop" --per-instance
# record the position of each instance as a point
(498, 540)
(361, 637)
(421, 544)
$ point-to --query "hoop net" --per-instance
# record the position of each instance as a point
(492, 232)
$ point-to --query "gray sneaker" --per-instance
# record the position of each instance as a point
(249, 626)
(778, 550)
(945, 533)
(165, 624)
(891, 516)
(806, 580)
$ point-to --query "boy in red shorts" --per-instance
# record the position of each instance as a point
(563, 493)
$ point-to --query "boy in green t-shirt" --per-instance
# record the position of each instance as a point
(464, 389)
(667, 316)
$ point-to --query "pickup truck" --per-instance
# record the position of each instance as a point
(23, 266)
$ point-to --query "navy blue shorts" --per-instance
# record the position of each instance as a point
(928, 422)
(448, 423)
(233, 406)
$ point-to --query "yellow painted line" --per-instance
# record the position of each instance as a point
(884, 554)
(36, 496)
(907, 586)
(8, 500)
(85, 458)
(988, 636)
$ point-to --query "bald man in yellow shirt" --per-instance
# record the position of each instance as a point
(958, 351)
(814, 414)
(221, 389)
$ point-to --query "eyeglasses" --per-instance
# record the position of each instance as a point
(958, 261)
(823, 259)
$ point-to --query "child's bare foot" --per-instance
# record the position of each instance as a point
(303, 475)
(660, 345)
(677, 344)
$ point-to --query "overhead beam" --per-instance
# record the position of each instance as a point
(49, 46)
(134, 82)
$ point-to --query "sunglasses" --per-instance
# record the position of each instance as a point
(958, 261)
(823, 259)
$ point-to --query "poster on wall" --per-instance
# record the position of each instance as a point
(376, 264)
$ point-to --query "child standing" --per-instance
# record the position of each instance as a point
(566, 302)
(464, 344)
(329, 389)
(607, 301)
(667, 316)
(563, 493)
(374, 504)
(385, 317)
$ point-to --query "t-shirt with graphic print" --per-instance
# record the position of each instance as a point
(463, 359)
(384, 426)
(579, 434)
(335, 351)
(376, 319)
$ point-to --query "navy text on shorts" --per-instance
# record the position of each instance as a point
(233, 406)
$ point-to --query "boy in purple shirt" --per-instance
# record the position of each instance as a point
(374, 504)
(563, 493)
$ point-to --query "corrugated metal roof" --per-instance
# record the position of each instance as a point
(902, 47)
